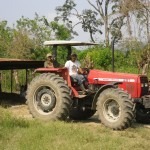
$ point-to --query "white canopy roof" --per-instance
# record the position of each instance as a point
(69, 43)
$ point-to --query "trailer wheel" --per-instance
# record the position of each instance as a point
(48, 97)
(142, 114)
(80, 114)
(115, 109)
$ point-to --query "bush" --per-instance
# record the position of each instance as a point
(102, 59)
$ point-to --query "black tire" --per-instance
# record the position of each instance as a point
(142, 114)
(80, 114)
(48, 97)
(115, 109)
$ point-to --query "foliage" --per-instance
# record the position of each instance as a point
(5, 38)
(142, 17)
(60, 31)
(102, 13)
(35, 28)
(107, 17)
(102, 57)
(39, 30)
(20, 45)
(138, 10)
(25, 40)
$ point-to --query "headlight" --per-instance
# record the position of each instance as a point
(146, 84)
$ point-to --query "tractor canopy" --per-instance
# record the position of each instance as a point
(68, 43)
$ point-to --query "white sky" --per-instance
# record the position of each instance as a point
(12, 10)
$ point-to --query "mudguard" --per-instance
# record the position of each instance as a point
(101, 89)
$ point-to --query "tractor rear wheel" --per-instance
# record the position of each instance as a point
(115, 109)
(142, 114)
(48, 97)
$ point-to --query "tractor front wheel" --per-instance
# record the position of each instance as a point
(115, 109)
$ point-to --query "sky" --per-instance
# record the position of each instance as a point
(12, 10)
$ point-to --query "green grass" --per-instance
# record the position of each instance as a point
(21, 134)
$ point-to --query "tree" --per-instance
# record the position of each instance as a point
(96, 57)
(29, 35)
(60, 31)
(21, 45)
(139, 9)
(102, 13)
(5, 38)
(35, 28)
(143, 19)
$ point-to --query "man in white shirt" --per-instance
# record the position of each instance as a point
(75, 71)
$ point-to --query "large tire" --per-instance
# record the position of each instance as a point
(142, 114)
(115, 109)
(48, 97)
(80, 114)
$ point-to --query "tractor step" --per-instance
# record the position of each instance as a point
(82, 96)
(86, 93)
(81, 93)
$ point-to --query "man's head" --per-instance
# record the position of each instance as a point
(49, 56)
(73, 57)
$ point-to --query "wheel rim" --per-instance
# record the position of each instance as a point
(44, 100)
(111, 110)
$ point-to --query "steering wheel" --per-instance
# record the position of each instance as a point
(86, 71)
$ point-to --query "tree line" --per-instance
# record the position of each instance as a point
(109, 18)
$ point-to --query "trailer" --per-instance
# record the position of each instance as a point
(17, 64)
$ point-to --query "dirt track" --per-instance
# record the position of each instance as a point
(16, 105)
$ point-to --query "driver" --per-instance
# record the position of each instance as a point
(75, 71)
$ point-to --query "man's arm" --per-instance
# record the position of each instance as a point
(80, 71)
(45, 64)
(67, 64)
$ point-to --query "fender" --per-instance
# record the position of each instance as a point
(101, 89)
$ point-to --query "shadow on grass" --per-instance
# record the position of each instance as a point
(11, 99)
(93, 119)
(139, 125)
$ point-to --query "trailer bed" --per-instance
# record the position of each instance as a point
(9, 64)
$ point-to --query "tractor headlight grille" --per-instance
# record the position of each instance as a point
(144, 86)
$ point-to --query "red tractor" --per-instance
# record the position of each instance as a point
(118, 98)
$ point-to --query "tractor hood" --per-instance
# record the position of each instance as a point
(106, 76)
(136, 85)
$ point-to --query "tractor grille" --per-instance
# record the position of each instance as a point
(144, 86)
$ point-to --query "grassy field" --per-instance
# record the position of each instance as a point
(21, 134)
